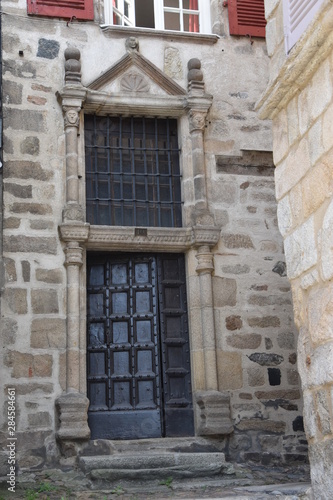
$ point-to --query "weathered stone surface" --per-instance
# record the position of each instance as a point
(237, 241)
(293, 377)
(31, 388)
(286, 340)
(24, 119)
(10, 270)
(301, 249)
(30, 146)
(11, 223)
(323, 412)
(72, 409)
(233, 323)
(12, 92)
(293, 358)
(172, 63)
(41, 224)
(26, 170)
(261, 425)
(230, 373)
(237, 269)
(16, 298)
(49, 49)
(18, 190)
(30, 244)
(266, 359)
(321, 460)
(225, 290)
(40, 419)
(44, 301)
(29, 365)
(320, 314)
(49, 275)
(9, 330)
(39, 101)
(268, 343)
(264, 322)
(279, 394)
(244, 341)
(213, 413)
(25, 270)
(50, 333)
(41, 88)
(256, 377)
(31, 208)
(268, 300)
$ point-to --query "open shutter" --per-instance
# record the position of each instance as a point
(247, 17)
(81, 9)
(297, 16)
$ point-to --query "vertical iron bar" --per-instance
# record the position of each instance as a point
(132, 152)
(145, 168)
(157, 175)
(108, 173)
(171, 191)
(121, 178)
(96, 208)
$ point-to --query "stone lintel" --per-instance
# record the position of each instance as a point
(172, 106)
(73, 414)
(147, 239)
(213, 415)
(301, 63)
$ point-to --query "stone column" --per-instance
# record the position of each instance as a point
(72, 405)
(204, 269)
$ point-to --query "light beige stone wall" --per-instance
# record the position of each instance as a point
(302, 147)
(253, 316)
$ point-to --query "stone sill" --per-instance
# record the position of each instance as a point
(301, 63)
(110, 31)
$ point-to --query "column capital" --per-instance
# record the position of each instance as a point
(205, 260)
(71, 116)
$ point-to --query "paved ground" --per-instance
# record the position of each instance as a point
(243, 482)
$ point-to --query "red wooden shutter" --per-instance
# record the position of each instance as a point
(81, 9)
(247, 17)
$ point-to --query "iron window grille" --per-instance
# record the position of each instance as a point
(132, 171)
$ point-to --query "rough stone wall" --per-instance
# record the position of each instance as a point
(256, 339)
(302, 131)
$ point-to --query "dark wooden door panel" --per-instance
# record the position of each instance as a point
(137, 322)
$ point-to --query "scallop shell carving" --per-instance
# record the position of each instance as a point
(133, 82)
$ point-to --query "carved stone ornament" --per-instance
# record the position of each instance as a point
(132, 43)
(74, 232)
(205, 260)
(71, 117)
(73, 213)
(74, 256)
(197, 120)
(133, 82)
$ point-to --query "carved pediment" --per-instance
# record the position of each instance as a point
(133, 73)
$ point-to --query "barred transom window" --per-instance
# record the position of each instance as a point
(132, 171)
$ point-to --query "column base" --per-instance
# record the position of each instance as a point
(213, 416)
(73, 415)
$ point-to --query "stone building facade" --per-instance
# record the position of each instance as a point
(57, 73)
(299, 101)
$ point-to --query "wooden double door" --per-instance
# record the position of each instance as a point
(139, 381)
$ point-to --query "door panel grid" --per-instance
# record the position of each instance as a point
(138, 350)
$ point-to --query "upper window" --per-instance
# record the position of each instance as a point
(297, 15)
(132, 171)
(81, 9)
(247, 17)
(177, 15)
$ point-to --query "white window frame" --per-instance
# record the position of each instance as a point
(159, 9)
(297, 15)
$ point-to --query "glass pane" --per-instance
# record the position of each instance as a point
(143, 331)
(120, 332)
(171, 3)
(142, 272)
(171, 21)
(119, 303)
(103, 213)
(96, 335)
(119, 274)
(191, 23)
(190, 4)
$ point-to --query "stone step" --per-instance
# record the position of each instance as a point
(162, 445)
(149, 466)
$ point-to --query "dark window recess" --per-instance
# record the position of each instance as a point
(274, 376)
(138, 358)
(132, 171)
(250, 163)
(144, 14)
(80, 9)
(247, 17)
